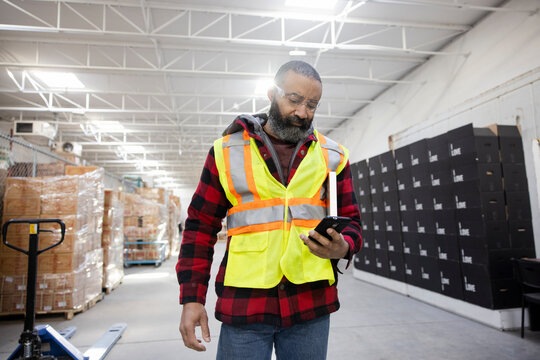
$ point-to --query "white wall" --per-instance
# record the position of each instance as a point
(496, 80)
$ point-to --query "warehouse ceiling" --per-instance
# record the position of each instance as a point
(160, 80)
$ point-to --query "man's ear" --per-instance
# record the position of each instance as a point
(270, 94)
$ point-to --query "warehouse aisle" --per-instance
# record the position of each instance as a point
(373, 323)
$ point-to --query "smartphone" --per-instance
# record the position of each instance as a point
(337, 223)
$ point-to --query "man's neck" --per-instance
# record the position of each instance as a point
(269, 131)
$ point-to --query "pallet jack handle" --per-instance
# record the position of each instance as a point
(34, 230)
(29, 339)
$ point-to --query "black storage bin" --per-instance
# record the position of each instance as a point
(396, 266)
(510, 144)
(451, 279)
(418, 152)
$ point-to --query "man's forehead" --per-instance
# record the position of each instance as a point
(301, 85)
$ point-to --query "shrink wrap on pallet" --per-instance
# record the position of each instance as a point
(69, 275)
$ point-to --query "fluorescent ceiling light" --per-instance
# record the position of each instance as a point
(108, 126)
(148, 163)
(297, 53)
(312, 4)
(158, 172)
(263, 85)
(59, 79)
(132, 148)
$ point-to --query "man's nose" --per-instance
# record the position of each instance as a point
(301, 111)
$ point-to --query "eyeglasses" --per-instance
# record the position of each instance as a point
(296, 100)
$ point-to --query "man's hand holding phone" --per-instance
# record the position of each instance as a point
(326, 241)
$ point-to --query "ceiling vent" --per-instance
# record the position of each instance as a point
(68, 148)
(36, 132)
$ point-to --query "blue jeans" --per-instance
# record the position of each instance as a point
(307, 340)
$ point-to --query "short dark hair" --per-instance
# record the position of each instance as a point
(299, 67)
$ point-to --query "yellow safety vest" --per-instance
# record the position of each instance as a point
(266, 217)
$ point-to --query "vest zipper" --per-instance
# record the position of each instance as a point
(298, 146)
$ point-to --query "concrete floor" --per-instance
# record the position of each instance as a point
(373, 323)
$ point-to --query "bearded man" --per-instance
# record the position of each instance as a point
(276, 286)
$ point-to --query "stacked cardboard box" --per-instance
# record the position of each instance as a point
(51, 169)
(145, 228)
(70, 275)
(154, 194)
(112, 240)
(174, 221)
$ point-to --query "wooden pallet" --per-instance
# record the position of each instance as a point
(68, 313)
(108, 290)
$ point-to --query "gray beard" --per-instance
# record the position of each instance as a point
(283, 130)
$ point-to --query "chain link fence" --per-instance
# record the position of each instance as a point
(19, 158)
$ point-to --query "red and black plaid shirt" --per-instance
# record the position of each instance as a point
(284, 305)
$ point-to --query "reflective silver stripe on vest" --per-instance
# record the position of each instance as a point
(237, 165)
(307, 212)
(256, 216)
(334, 152)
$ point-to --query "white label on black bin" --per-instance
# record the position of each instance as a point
(408, 271)
(433, 158)
(403, 208)
(470, 287)
(445, 281)
(376, 227)
(443, 256)
(441, 231)
(435, 182)
(464, 232)
(360, 175)
(465, 259)
(414, 161)
(417, 184)
(384, 169)
(423, 252)
(406, 250)
(401, 186)
(399, 166)
(391, 247)
(377, 246)
(419, 207)
(425, 276)
(455, 152)
(385, 188)
(461, 205)
(437, 206)
(389, 228)
(405, 228)
(387, 208)
(362, 192)
(392, 268)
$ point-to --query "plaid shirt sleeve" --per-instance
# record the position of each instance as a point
(208, 207)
